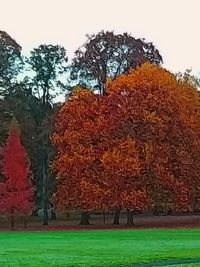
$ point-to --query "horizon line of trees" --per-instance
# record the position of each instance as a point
(101, 59)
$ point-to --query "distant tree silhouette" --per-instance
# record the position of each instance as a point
(10, 61)
(106, 55)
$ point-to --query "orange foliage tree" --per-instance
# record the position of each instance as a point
(135, 145)
(78, 127)
(162, 115)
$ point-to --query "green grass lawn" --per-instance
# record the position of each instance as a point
(184, 265)
(97, 247)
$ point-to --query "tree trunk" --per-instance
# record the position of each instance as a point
(85, 218)
(116, 215)
(25, 223)
(53, 215)
(104, 217)
(12, 220)
(156, 210)
(34, 213)
(45, 213)
(45, 195)
(130, 214)
(101, 88)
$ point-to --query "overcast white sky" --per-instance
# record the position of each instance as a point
(172, 25)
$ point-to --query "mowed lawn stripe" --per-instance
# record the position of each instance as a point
(166, 263)
(97, 247)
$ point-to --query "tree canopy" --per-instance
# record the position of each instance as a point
(10, 61)
(128, 146)
(48, 62)
(107, 55)
(134, 145)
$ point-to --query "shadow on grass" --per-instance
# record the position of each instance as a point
(164, 262)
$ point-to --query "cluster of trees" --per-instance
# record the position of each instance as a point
(30, 101)
(134, 147)
(120, 147)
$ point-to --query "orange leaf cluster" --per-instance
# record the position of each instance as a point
(126, 148)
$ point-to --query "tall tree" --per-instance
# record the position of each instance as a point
(28, 110)
(163, 115)
(126, 148)
(16, 190)
(107, 55)
(95, 168)
(48, 63)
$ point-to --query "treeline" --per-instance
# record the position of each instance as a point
(125, 146)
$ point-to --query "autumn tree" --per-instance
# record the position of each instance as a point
(162, 114)
(15, 190)
(130, 148)
(26, 108)
(71, 195)
(95, 169)
(107, 55)
(31, 102)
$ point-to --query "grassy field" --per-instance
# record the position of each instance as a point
(184, 265)
(97, 247)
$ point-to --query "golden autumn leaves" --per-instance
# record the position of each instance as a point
(130, 148)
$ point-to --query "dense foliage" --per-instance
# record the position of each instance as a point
(131, 141)
(15, 190)
(135, 145)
